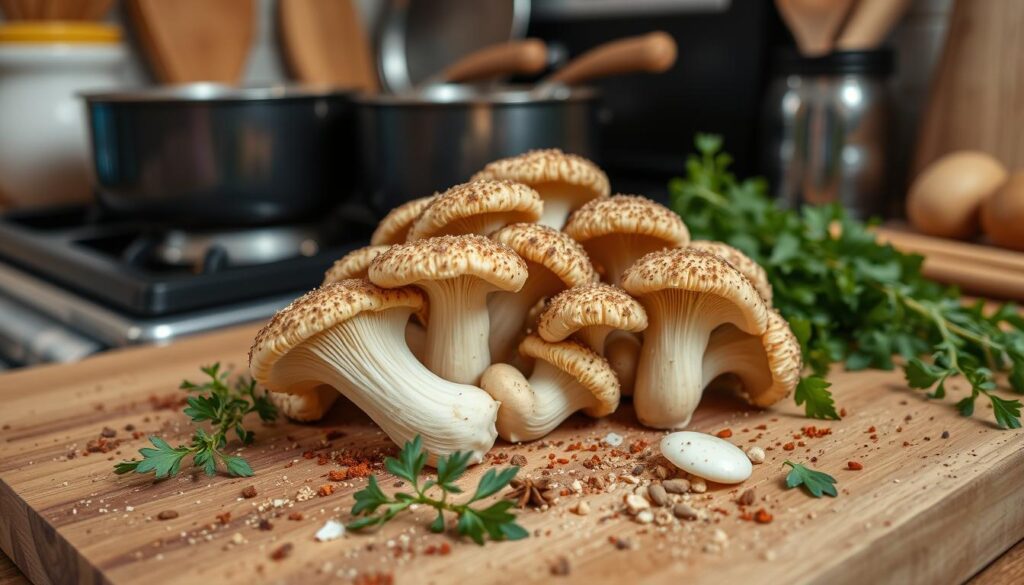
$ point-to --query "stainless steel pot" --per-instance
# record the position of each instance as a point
(206, 154)
(413, 145)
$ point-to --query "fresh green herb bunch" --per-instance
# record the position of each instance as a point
(849, 298)
(494, 521)
(225, 407)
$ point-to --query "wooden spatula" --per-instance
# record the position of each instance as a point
(814, 23)
(325, 44)
(195, 40)
(869, 24)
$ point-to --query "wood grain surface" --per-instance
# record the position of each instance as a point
(926, 508)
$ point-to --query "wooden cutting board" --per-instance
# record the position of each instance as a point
(924, 509)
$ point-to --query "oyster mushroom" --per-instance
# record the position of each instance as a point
(688, 294)
(564, 181)
(477, 207)
(350, 335)
(747, 267)
(554, 262)
(394, 228)
(567, 377)
(591, 312)
(765, 368)
(616, 231)
(457, 273)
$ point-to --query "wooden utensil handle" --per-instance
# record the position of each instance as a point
(870, 23)
(654, 52)
(516, 57)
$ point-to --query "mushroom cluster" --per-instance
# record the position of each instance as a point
(502, 306)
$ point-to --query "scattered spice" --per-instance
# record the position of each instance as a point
(535, 492)
(224, 518)
(338, 474)
(945, 434)
(561, 567)
(325, 490)
(724, 433)
(676, 486)
(265, 525)
(855, 465)
(684, 511)
(296, 516)
(282, 552)
(755, 454)
(658, 494)
(249, 492)
(762, 516)
(747, 498)
(167, 515)
(519, 460)
(108, 433)
(789, 447)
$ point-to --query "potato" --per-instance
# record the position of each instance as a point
(945, 199)
(1002, 214)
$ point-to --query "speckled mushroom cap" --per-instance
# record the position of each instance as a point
(747, 267)
(588, 306)
(514, 201)
(319, 310)
(549, 166)
(589, 369)
(700, 272)
(447, 257)
(784, 360)
(394, 228)
(627, 214)
(353, 265)
(550, 248)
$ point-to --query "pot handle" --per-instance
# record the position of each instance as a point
(652, 53)
(515, 57)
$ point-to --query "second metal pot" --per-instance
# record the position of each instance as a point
(413, 145)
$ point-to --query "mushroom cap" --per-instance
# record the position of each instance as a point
(589, 369)
(587, 306)
(550, 248)
(549, 166)
(700, 272)
(515, 200)
(394, 228)
(747, 267)
(784, 360)
(319, 310)
(627, 214)
(353, 265)
(447, 257)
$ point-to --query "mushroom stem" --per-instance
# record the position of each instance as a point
(508, 311)
(731, 351)
(595, 337)
(560, 199)
(366, 359)
(670, 376)
(617, 252)
(622, 350)
(458, 328)
(532, 409)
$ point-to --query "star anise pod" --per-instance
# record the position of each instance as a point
(535, 492)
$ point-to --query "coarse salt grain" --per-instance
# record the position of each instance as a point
(331, 530)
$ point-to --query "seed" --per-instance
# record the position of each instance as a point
(657, 494)
(755, 454)
(698, 485)
(662, 517)
(249, 492)
(518, 460)
(676, 486)
(582, 508)
(167, 515)
(747, 497)
(684, 511)
(645, 517)
(108, 433)
(635, 503)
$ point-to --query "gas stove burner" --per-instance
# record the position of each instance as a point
(212, 251)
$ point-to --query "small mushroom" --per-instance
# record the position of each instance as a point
(688, 294)
(591, 312)
(747, 267)
(353, 265)
(307, 405)
(765, 368)
(477, 207)
(394, 228)
(350, 335)
(616, 231)
(567, 377)
(564, 181)
(457, 273)
(554, 262)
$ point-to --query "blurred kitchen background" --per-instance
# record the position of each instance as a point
(141, 265)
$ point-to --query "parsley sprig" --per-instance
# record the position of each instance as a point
(225, 407)
(814, 482)
(850, 299)
(494, 521)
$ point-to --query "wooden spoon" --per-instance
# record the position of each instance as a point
(325, 45)
(502, 59)
(653, 53)
(195, 40)
(814, 23)
(870, 23)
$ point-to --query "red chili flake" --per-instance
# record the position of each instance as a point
(430, 549)
(322, 460)
(762, 516)
(855, 465)
(224, 518)
(282, 552)
(762, 427)
(637, 446)
(249, 492)
(563, 461)
(842, 411)
(813, 432)
(746, 516)
(801, 444)
(551, 456)
(574, 447)
(906, 443)
(444, 549)
(873, 437)
(308, 455)
(789, 446)
(338, 474)
(359, 470)
(296, 516)
(325, 490)
(724, 433)
(137, 434)
(265, 525)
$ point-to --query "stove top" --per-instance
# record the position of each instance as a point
(152, 271)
